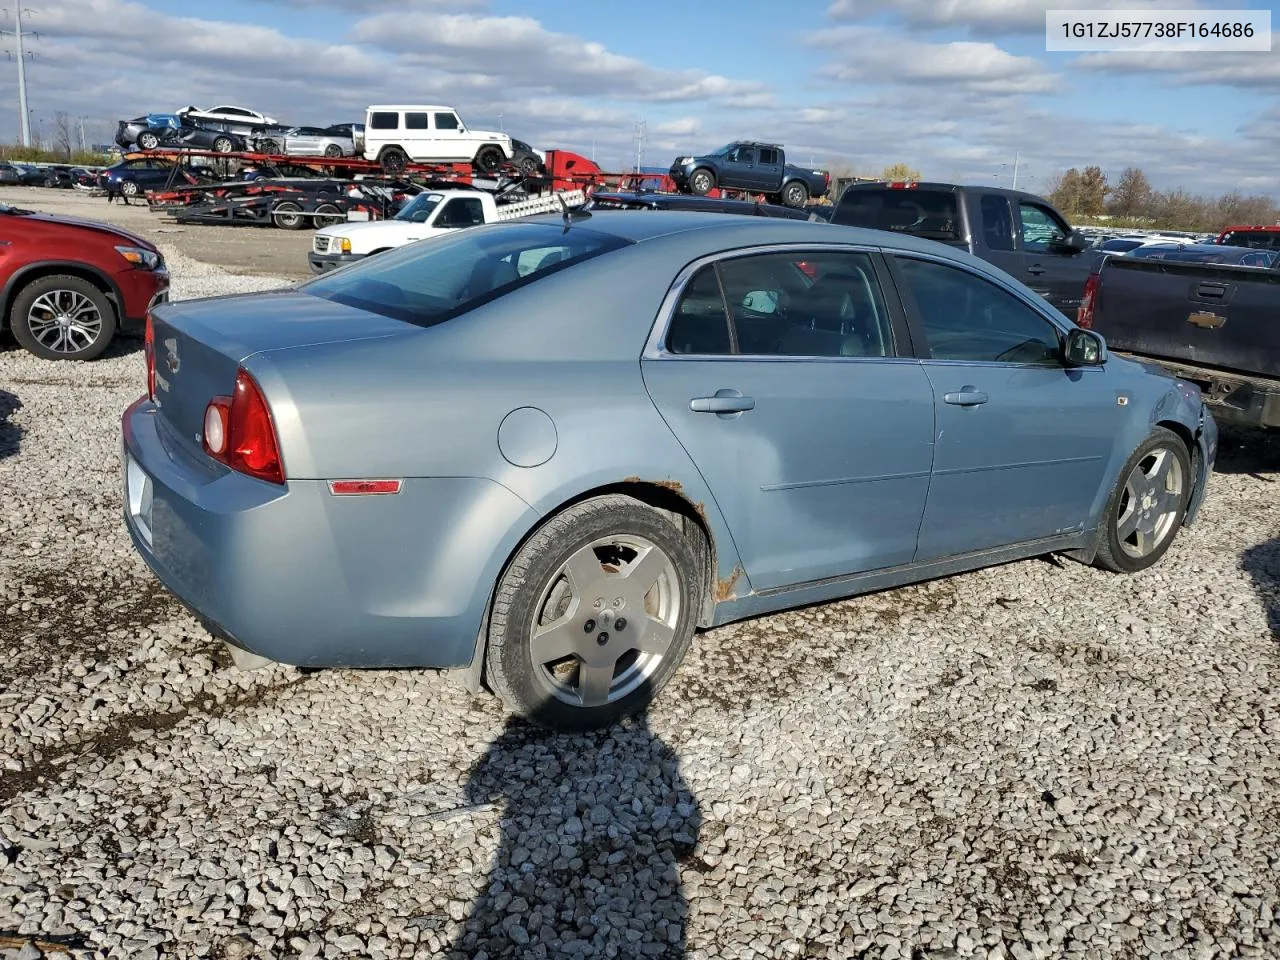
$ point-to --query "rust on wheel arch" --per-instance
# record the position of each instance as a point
(726, 588)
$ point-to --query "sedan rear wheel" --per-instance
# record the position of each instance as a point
(333, 150)
(593, 615)
(129, 188)
(148, 140)
(1148, 504)
(223, 145)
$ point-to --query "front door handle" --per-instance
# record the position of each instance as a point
(725, 401)
(1035, 269)
(965, 397)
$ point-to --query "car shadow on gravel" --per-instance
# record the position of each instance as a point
(594, 827)
(1262, 563)
(1253, 451)
(10, 432)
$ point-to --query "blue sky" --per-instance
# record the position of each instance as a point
(953, 87)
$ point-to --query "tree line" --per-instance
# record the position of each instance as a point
(1085, 195)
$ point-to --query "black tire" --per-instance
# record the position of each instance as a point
(489, 159)
(795, 194)
(269, 146)
(510, 668)
(529, 166)
(326, 215)
(20, 317)
(223, 145)
(1112, 554)
(129, 188)
(701, 182)
(393, 160)
(333, 150)
(147, 140)
(287, 215)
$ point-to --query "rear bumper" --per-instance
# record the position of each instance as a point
(299, 576)
(1232, 397)
(324, 262)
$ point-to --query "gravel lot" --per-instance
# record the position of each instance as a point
(1036, 761)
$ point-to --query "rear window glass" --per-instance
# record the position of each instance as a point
(428, 283)
(931, 214)
(384, 121)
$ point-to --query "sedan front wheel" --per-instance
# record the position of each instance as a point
(593, 615)
(1147, 506)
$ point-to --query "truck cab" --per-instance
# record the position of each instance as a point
(429, 214)
(1018, 232)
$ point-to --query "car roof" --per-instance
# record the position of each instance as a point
(724, 232)
(408, 106)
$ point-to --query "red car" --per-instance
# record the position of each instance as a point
(67, 285)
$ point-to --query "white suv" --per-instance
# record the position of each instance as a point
(395, 135)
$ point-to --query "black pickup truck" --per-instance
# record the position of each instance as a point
(1020, 233)
(755, 167)
(1211, 323)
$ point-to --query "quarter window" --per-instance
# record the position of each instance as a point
(822, 304)
(384, 121)
(967, 317)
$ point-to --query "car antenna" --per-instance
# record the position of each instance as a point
(571, 215)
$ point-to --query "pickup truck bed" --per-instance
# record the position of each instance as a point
(1212, 324)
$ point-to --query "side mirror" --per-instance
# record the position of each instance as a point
(1084, 348)
(1073, 243)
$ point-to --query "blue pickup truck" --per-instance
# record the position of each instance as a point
(755, 167)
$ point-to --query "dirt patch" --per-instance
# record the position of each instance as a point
(130, 729)
(51, 615)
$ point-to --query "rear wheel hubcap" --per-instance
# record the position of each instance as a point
(605, 621)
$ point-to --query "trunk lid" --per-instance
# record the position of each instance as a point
(200, 344)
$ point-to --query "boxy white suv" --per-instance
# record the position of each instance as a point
(395, 135)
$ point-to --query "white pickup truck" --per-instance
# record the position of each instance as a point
(430, 214)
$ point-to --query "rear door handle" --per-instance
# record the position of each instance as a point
(725, 401)
(965, 397)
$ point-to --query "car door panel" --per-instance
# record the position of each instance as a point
(1022, 443)
(820, 464)
(1058, 275)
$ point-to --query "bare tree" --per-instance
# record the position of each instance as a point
(901, 172)
(62, 142)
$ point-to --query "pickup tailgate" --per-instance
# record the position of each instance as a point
(1209, 315)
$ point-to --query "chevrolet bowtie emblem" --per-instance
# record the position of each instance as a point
(1203, 318)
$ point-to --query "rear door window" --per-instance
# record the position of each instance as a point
(997, 224)
(931, 214)
(417, 121)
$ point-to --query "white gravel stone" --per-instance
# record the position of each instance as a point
(1039, 760)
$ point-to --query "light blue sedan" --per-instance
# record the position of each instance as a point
(547, 452)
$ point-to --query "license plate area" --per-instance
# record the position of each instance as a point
(137, 492)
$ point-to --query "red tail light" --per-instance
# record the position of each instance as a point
(149, 351)
(1084, 313)
(239, 431)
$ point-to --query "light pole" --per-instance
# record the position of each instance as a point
(22, 76)
(83, 147)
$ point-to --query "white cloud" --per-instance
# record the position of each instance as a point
(519, 50)
(985, 17)
(871, 55)
(1250, 71)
